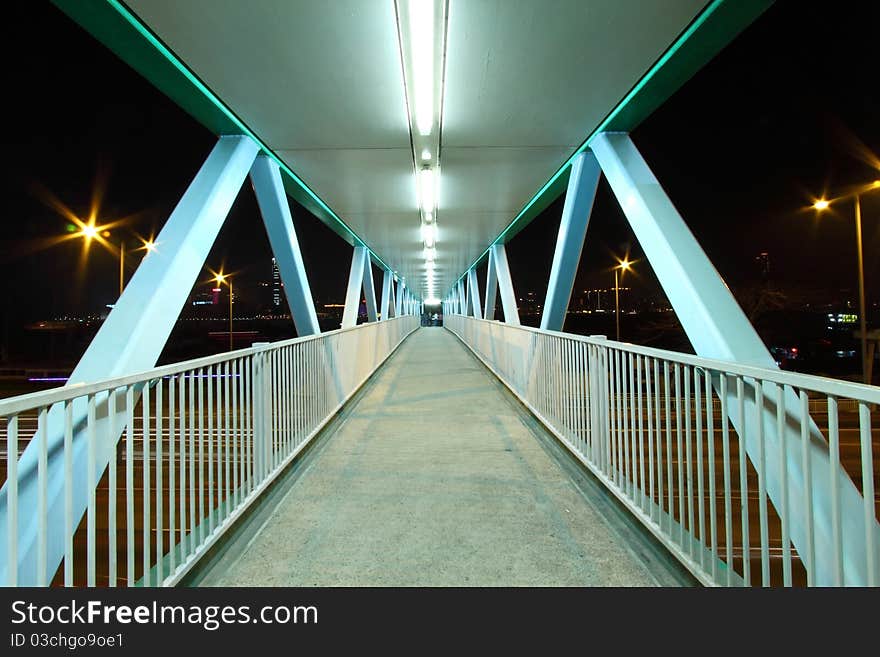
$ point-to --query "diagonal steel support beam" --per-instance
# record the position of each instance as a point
(130, 340)
(387, 294)
(717, 328)
(474, 294)
(355, 283)
(498, 256)
(370, 291)
(272, 199)
(462, 298)
(582, 185)
(491, 287)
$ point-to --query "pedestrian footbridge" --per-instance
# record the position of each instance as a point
(427, 134)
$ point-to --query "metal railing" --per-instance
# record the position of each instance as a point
(749, 476)
(190, 445)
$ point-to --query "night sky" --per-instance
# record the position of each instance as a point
(788, 110)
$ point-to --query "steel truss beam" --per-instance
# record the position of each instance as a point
(582, 185)
(269, 189)
(474, 294)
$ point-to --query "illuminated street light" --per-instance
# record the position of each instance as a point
(823, 204)
(221, 278)
(622, 266)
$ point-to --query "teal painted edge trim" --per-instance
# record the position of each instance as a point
(218, 117)
(718, 23)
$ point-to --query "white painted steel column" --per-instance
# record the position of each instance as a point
(401, 288)
(387, 290)
(462, 299)
(717, 328)
(498, 255)
(266, 178)
(130, 340)
(355, 282)
(369, 290)
(474, 294)
(582, 185)
(491, 287)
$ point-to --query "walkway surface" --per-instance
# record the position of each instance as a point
(434, 477)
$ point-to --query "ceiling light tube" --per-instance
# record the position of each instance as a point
(426, 189)
(421, 32)
(430, 254)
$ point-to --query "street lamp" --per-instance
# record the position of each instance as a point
(220, 279)
(823, 204)
(622, 266)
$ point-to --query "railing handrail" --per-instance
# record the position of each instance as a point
(824, 385)
(43, 398)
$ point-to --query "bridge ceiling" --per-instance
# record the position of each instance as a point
(324, 84)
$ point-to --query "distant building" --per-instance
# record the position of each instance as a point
(276, 285)
(763, 262)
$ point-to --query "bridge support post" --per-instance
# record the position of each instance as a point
(582, 185)
(491, 287)
(498, 256)
(398, 307)
(462, 299)
(717, 328)
(359, 260)
(272, 200)
(387, 295)
(474, 294)
(130, 340)
(370, 290)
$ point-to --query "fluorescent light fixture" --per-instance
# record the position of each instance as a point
(430, 254)
(429, 217)
(429, 234)
(426, 189)
(421, 41)
(426, 155)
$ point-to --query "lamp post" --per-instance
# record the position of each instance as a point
(223, 278)
(622, 266)
(824, 204)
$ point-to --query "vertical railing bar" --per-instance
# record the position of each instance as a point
(658, 441)
(868, 491)
(678, 455)
(809, 554)
(160, 493)
(698, 439)
(112, 436)
(172, 474)
(688, 460)
(743, 480)
(129, 486)
(201, 379)
(236, 470)
(641, 433)
(227, 493)
(192, 462)
(667, 408)
(834, 473)
(145, 456)
(725, 457)
(649, 398)
(211, 442)
(91, 483)
(783, 483)
(630, 456)
(12, 500)
(69, 529)
(710, 458)
(762, 484)
(42, 498)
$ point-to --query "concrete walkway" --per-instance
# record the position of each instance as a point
(434, 478)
